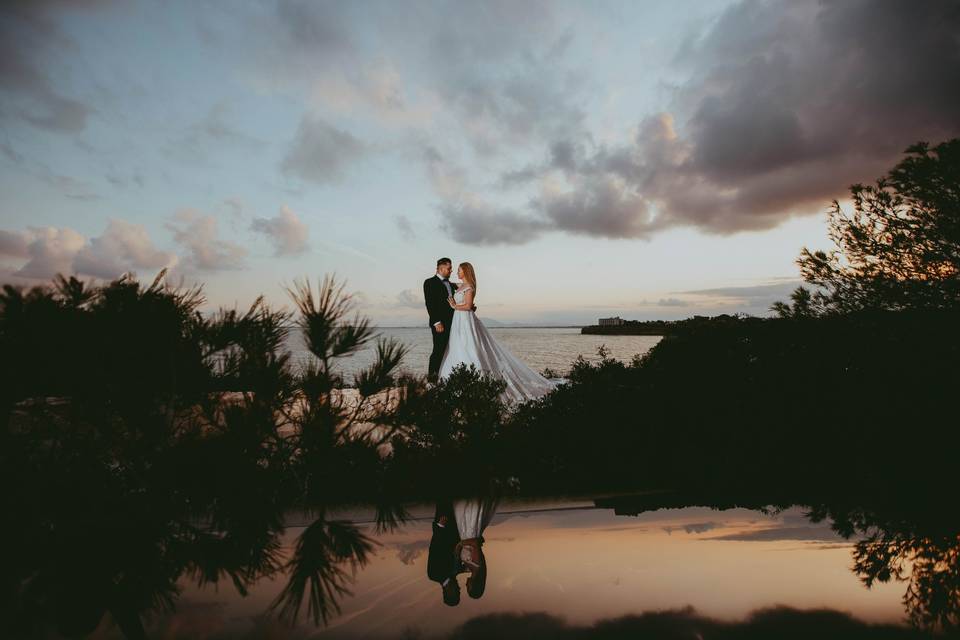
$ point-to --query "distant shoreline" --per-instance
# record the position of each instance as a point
(622, 330)
(504, 326)
(656, 327)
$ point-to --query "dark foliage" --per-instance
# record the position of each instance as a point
(900, 246)
(143, 443)
(814, 403)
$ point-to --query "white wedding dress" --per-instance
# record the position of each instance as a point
(471, 343)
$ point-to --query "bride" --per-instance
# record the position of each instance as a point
(471, 343)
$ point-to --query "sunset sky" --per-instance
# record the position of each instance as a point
(642, 159)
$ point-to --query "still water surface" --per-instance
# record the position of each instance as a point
(575, 562)
(555, 348)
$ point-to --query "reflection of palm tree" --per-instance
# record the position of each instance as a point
(147, 443)
(323, 550)
(926, 557)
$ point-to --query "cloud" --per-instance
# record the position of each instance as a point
(315, 28)
(320, 152)
(125, 180)
(287, 232)
(786, 106)
(478, 223)
(498, 68)
(404, 227)
(122, 247)
(235, 205)
(211, 132)
(750, 294)
(410, 299)
(49, 250)
(499, 72)
(672, 302)
(809, 533)
(751, 299)
(408, 552)
(29, 37)
(604, 206)
(694, 527)
(465, 215)
(68, 186)
(447, 177)
(14, 244)
(205, 251)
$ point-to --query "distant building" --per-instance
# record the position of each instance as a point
(606, 322)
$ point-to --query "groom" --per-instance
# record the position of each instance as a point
(436, 290)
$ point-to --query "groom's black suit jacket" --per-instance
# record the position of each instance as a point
(435, 297)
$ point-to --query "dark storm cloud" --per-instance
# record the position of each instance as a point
(788, 104)
(320, 152)
(480, 224)
(603, 206)
(28, 38)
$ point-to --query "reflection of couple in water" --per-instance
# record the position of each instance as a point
(457, 545)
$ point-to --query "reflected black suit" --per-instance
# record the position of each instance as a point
(439, 310)
(441, 563)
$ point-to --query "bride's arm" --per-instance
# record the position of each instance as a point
(467, 302)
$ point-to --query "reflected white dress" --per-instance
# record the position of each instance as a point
(473, 515)
(471, 343)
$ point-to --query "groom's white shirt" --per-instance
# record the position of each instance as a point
(449, 290)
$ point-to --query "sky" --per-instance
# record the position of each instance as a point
(652, 160)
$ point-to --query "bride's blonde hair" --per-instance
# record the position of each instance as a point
(469, 275)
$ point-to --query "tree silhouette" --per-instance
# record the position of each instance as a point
(900, 246)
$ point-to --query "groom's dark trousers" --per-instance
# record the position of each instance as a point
(435, 297)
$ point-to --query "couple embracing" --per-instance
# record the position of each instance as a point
(459, 337)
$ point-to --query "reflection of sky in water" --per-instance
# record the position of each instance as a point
(586, 565)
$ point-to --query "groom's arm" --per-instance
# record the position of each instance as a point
(431, 302)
